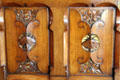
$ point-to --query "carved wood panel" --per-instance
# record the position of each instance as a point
(27, 43)
(91, 40)
(27, 40)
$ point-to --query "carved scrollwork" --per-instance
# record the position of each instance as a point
(27, 40)
(91, 41)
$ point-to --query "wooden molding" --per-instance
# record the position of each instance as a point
(2, 40)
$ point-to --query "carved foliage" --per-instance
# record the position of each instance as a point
(26, 41)
(26, 15)
(90, 16)
(91, 41)
(28, 66)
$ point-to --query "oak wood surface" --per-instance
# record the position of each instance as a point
(57, 78)
(2, 40)
(105, 33)
(117, 52)
(90, 78)
(1, 73)
(58, 8)
(27, 77)
(40, 53)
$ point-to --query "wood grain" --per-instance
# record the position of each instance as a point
(27, 77)
(90, 78)
(117, 48)
(40, 53)
(1, 73)
(76, 33)
(2, 46)
(2, 40)
(105, 33)
(107, 37)
(57, 78)
(14, 53)
(58, 8)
